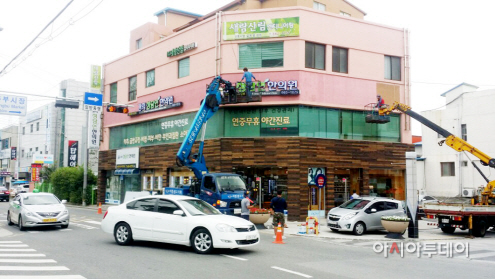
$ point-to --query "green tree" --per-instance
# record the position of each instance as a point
(68, 184)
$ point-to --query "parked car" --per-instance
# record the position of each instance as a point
(363, 214)
(17, 189)
(37, 209)
(180, 220)
(4, 194)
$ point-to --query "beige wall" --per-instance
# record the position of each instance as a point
(148, 33)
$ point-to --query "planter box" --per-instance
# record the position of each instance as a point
(259, 218)
(395, 226)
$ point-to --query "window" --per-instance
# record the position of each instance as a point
(448, 169)
(464, 131)
(319, 6)
(36, 149)
(392, 205)
(139, 43)
(261, 55)
(184, 67)
(167, 207)
(379, 206)
(144, 205)
(392, 67)
(339, 59)
(31, 128)
(132, 88)
(37, 126)
(209, 183)
(464, 163)
(150, 78)
(315, 56)
(344, 14)
(23, 130)
(22, 153)
(113, 93)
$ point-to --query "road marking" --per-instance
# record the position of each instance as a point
(33, 268)
(17, 250)
(42, 277)
(293, 272)
(235, 258)
(93, 222)
(65, 230)
(83, 226)
(26, 261)
(21, 255)
(14, 245)
(9, 242)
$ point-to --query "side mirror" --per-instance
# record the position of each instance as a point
(179, 212)
(16, 203)
(64, 201)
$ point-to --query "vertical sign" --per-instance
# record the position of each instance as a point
(48, 128)
(35, 172)
(13, 153)
(73, 148)
(95, 78)
(94, 129)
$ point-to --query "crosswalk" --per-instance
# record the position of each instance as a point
(17, 257)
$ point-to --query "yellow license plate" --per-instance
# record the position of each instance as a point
(50, 220)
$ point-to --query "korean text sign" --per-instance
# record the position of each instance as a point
(263, 28)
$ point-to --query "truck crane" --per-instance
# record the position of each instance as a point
(480, 214)
(222, 190)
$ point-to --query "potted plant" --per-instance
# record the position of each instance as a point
(259, 215)
(395, 224)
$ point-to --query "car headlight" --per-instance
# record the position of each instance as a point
(28, 213)
(349, 216)
(225, 228)
(223, 204)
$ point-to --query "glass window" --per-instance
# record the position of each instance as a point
(166, 207)
(379, 206)
(209, 183)
(464, 131)
(392, 68)
(345, 14)
(144, 204)
(37, 126)
(139, 43)
(23, 130)
(339, 59)
(132, 88)
(150, 78)
(184, 67)
(199, 207)
(392, 205)
(113, 93)
(315, 56)
(261, 55)
(355, 204)
(32, 128)
(319, 6)
(448, 169)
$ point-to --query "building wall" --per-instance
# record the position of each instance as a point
(8, 166)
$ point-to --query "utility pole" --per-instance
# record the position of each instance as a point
(85, 159)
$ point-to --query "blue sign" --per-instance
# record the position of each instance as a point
(93, 99)
(321, 180)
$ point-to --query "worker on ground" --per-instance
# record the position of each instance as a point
(277, 207)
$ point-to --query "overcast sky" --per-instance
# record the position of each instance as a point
(451, 41)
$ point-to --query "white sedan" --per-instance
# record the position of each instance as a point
(180, 220)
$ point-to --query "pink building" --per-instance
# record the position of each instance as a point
(324, 67)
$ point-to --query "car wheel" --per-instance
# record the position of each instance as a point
(448, 229)
(479, 229)
(359, 228)
(21, 226)
(9, 222)
(64, 226)
(201, 241)
(122, 234)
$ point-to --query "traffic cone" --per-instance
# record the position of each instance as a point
(278, 238)
(99, 209)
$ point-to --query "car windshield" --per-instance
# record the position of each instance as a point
(40, 200)
(354, 204)
(199, 207)
(231, 183)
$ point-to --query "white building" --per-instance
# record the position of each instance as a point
(468, 114)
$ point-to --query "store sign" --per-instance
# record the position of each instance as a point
(263, 28)
(181, 49)
(94, 129)
(43, 159)
(73, 151)
(35, 172)
(34, 115)
(156, 105)
(13, 153)
(95, 78)
(283, 87)
(127, 158)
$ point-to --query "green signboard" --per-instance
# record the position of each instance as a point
(279, 121)
(262, 28)
(242, 122)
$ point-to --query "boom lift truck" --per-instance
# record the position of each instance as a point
(477, 216)
(223, 190)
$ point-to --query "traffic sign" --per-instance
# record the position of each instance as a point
(93, 101)
(321, 180)
(13, 105)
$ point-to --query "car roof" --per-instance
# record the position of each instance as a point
(170, 197)
(35, 194)
(377, 199)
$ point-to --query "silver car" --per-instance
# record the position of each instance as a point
(37, 209)
(363, 214)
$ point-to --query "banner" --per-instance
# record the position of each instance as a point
(13, 153)
(95, 79)
(260, 29)
(73, 148)
(35, 172)
(94, 129)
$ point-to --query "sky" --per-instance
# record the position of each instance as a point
(451, 41)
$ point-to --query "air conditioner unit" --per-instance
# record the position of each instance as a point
(468, 193)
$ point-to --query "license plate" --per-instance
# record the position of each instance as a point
(50, 220)
(445, 220)
(251, 237)
(332, 222)
(237, 211)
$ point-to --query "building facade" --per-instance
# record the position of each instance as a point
(8, 155)
(323, 70)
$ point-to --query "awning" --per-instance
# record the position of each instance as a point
(126, 172)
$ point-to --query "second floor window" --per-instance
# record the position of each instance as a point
(150, 78)
(132, 88)
(447, 169)
(23, 130)
(37, 126)
(184, 67)
(319, 6)
(139, 43)
(392, 67)
(339, 59)
(464, 131)
(113, 93)
(263, 55)
(32, 128)
(315, 56)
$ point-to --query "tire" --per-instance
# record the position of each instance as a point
(449, 230)
(334, 230)
(202, 242)
(122, 234)
(64, 226)
(359, 228)
(479, 229)
(21, 226)
(9, 222)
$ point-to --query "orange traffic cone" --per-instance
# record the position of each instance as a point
(278, 238)
(99, 209)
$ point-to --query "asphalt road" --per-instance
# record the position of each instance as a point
(84, 251)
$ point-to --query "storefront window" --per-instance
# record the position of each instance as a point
(112, 194)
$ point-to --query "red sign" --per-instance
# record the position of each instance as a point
(35, 172)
